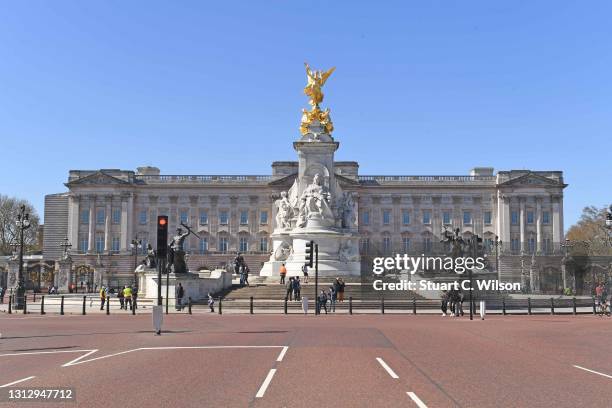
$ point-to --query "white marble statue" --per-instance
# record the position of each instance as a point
(348, 252)
(346, 210)
(315, 203)
(282, 252)
(284, 212)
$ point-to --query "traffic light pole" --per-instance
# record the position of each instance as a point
(160, 267)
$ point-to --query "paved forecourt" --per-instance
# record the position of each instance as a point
(295, 361)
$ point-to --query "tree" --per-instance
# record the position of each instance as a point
(9, 232)
(590, 231)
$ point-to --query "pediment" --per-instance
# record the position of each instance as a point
(97, 178)
(284, 181)
(531, 179)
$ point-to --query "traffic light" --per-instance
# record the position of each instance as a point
(162, 235)
(310, 254)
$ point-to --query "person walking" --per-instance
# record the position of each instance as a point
(211, 303)
(246, 274)
(444, 305)
(283, 273)
(127, 296)
(305, 273)
(459, 304)
(134, 297)
(289, 287)
(332, 295)
(241, 275)
(297, 288)
(179, 292)
(341, 286)
(322, 301)
(2, 290)
(598, 293)
(103, 295)
(121, 299)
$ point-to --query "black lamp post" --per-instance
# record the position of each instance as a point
(498, 244)
(23, 223)
(135, 245)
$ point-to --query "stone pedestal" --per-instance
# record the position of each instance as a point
(13, 274)
(64, 275)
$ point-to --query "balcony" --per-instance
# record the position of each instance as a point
(202, 179)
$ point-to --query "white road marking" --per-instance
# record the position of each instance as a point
(46, 352)
(282, 354)
(387, 368)
(17, 382)
(72, 362)
(264, 386)
(593, 371)
(416, 400)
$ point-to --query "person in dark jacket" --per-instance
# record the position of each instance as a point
(179, 292)
(297, 288)
(322, 301)
(289, 287)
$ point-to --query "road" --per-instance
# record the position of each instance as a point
(300, 361)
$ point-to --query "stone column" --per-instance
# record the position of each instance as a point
(92, 224)
(522, 223)
(539, 224)
(124, 224)
(557, 237)
(74, 219)
(107, 223)
(13, 274)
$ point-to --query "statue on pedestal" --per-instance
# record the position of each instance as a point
(149, 261)
(346, 211)
(176, 255)
(315, 203)
(316, 80)
(284, 213)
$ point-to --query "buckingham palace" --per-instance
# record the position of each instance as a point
(109, 215)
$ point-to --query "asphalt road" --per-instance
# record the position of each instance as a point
(305, 361)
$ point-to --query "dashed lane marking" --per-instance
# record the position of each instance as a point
(387, 368)
(264, 385)
(593, 371)
(416, 400)
(282, 354)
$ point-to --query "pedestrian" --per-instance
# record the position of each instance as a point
(211, 303)
(246, 274)
(121, 299)
(102, 297)
(341, 290)
(179, 292)
(332, 295)
(297, 288)
(598, 292)
(451, 301)
(305, 272)
(289, 287)
(322, 301)
(241, 275)
(2, 290)
(444, 305)
(459, 304)
(127, 296)
(134, 297)
(283, 273)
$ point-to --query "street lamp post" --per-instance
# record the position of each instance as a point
(23, 223)
(497, 243)
(135, 245)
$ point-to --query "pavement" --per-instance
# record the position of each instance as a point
(364, 360)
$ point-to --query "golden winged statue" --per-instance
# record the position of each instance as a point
(316, 80)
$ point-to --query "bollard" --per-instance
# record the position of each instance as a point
(220, 305)
(108, 305)
(62, 306)
(34, 300)
(529, 306)
(84, 303)
(382, 305)
(504, 306)
(251, 305)
(189, 304)
(552, 306)
(42, 305)
(133, 307)
(10, 311)
(25, 304)
(350, 305)
(285, 306)
(574, 304)
(594, 307)
(413, 305)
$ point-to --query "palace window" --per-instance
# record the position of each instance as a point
(144, 243)
(223, 244)
(116, 215)
(529, 217)
(545, 217)
(532, 245)
(244, 244)
(244, 217)
(99, 243)
(426, 217)
(365, 218)
(116, 244)
(467, 217)
(185, 245)
(514, 245)
(386, 245)
(514, 217)
(203, 245)
(364, 246)
(263, 244)
(223, 218)
(184, 216)
(405, 217)
(203, 218)
(446, 218)
(487, 217)
(83, 243)
(406, 244)
(142, 217)
(84, 216)
(547, 246)
(427, 245)
(263, 217)
(488, 244)
(100, 216)
(386, 217)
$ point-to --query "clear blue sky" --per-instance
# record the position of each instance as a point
(429, 87)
